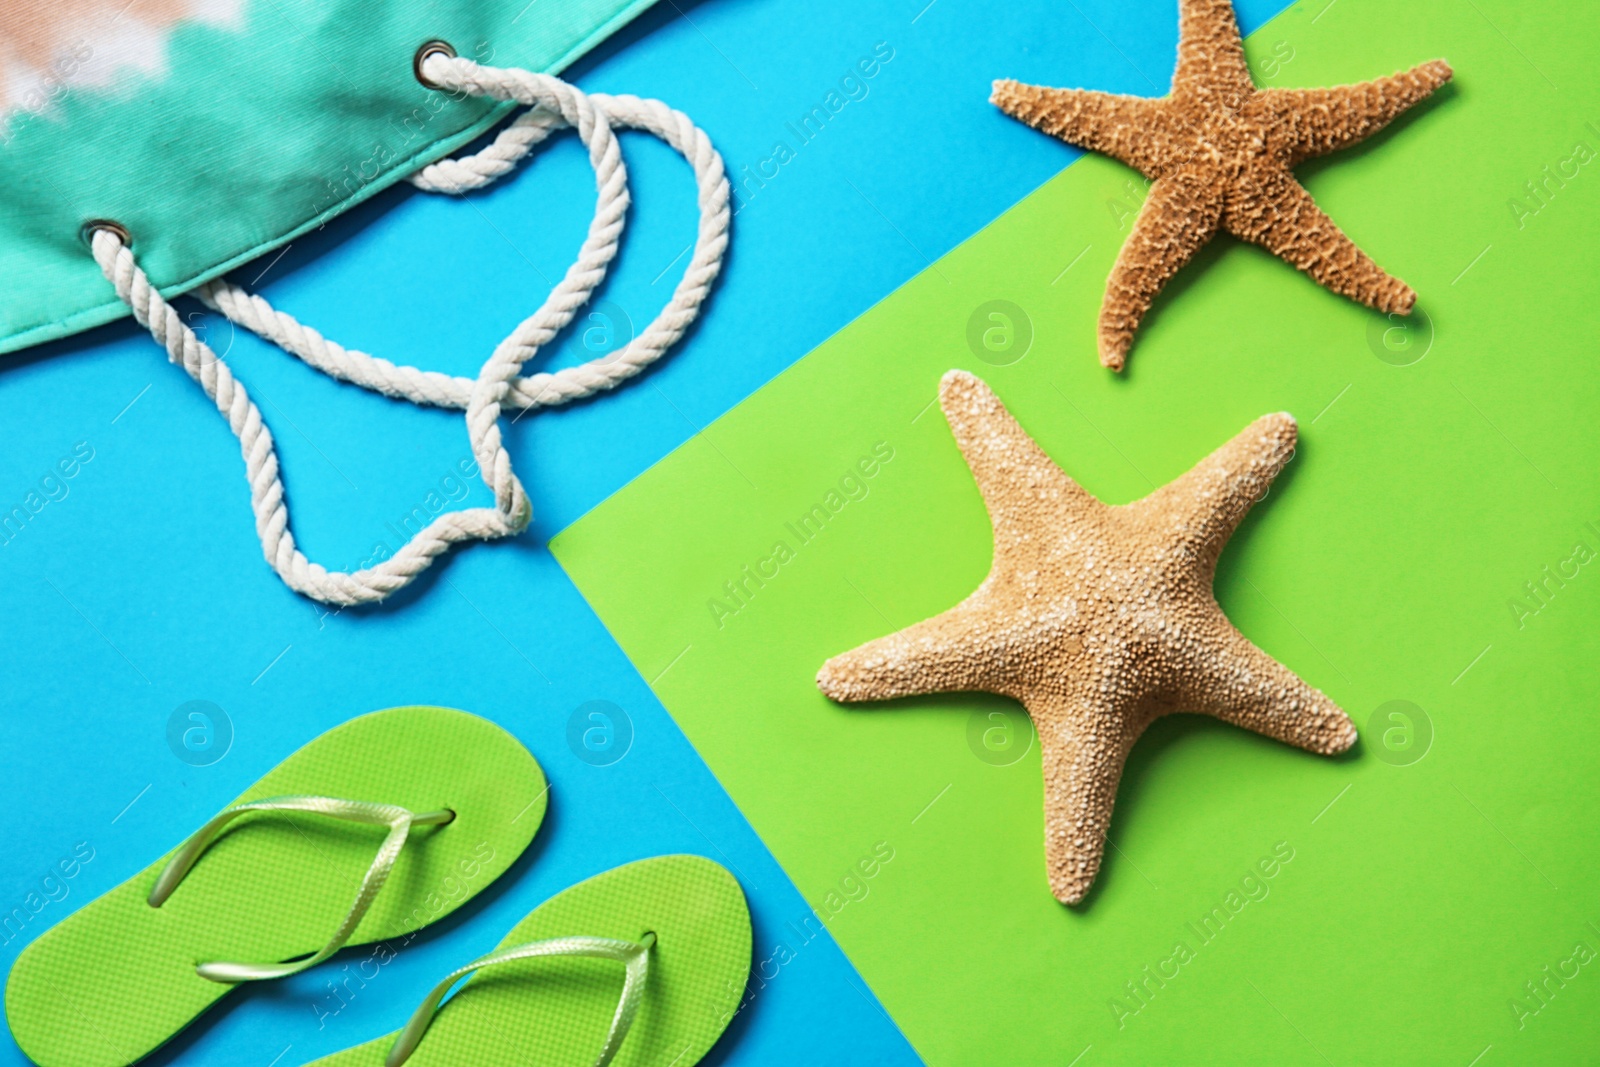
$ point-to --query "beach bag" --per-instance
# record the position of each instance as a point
(147, 147)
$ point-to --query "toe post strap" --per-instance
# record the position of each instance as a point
(396, 819)
(633, 955)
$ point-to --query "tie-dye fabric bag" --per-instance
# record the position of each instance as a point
(149, 146)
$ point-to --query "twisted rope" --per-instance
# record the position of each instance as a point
(550, 112)
(498, 385)
(495, 161)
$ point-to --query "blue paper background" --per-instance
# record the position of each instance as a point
(143, 588)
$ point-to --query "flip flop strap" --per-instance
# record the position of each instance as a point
(633, 955)
(399, 822)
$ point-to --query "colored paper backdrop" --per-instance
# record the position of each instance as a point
(137, 586)
(1425, 560)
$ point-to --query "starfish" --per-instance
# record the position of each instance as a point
(1219, 154)
(1098, 619)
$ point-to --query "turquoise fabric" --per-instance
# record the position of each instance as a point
(250, 133)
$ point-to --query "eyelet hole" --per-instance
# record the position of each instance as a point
(430, 48)
(87, 231)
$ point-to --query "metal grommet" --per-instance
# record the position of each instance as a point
(87, 231)
(430, 48)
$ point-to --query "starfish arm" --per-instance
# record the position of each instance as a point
(1199, 511)
(1014, 475)
(1240, 684)
(1319, 121)
(938, 655)
(1211, 64)
(1127, 128)
(1179, 216)
(1280, 216)
(1083, 748)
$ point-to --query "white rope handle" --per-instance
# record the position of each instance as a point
(455, 175)
(495, 161)
(498, 384)
(261, 458)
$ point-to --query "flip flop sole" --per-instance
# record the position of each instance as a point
(116, 979)
(556, 1012)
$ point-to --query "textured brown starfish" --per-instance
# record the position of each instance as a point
(1219, 153)
(1098, 619)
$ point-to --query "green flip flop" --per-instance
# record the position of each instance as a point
(447, 801)
(553, 993)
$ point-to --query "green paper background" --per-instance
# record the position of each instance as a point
(1422, 894)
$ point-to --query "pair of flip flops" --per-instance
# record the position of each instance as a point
(643, 964)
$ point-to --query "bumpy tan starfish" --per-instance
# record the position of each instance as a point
(1098, 619)
(1219, 154)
